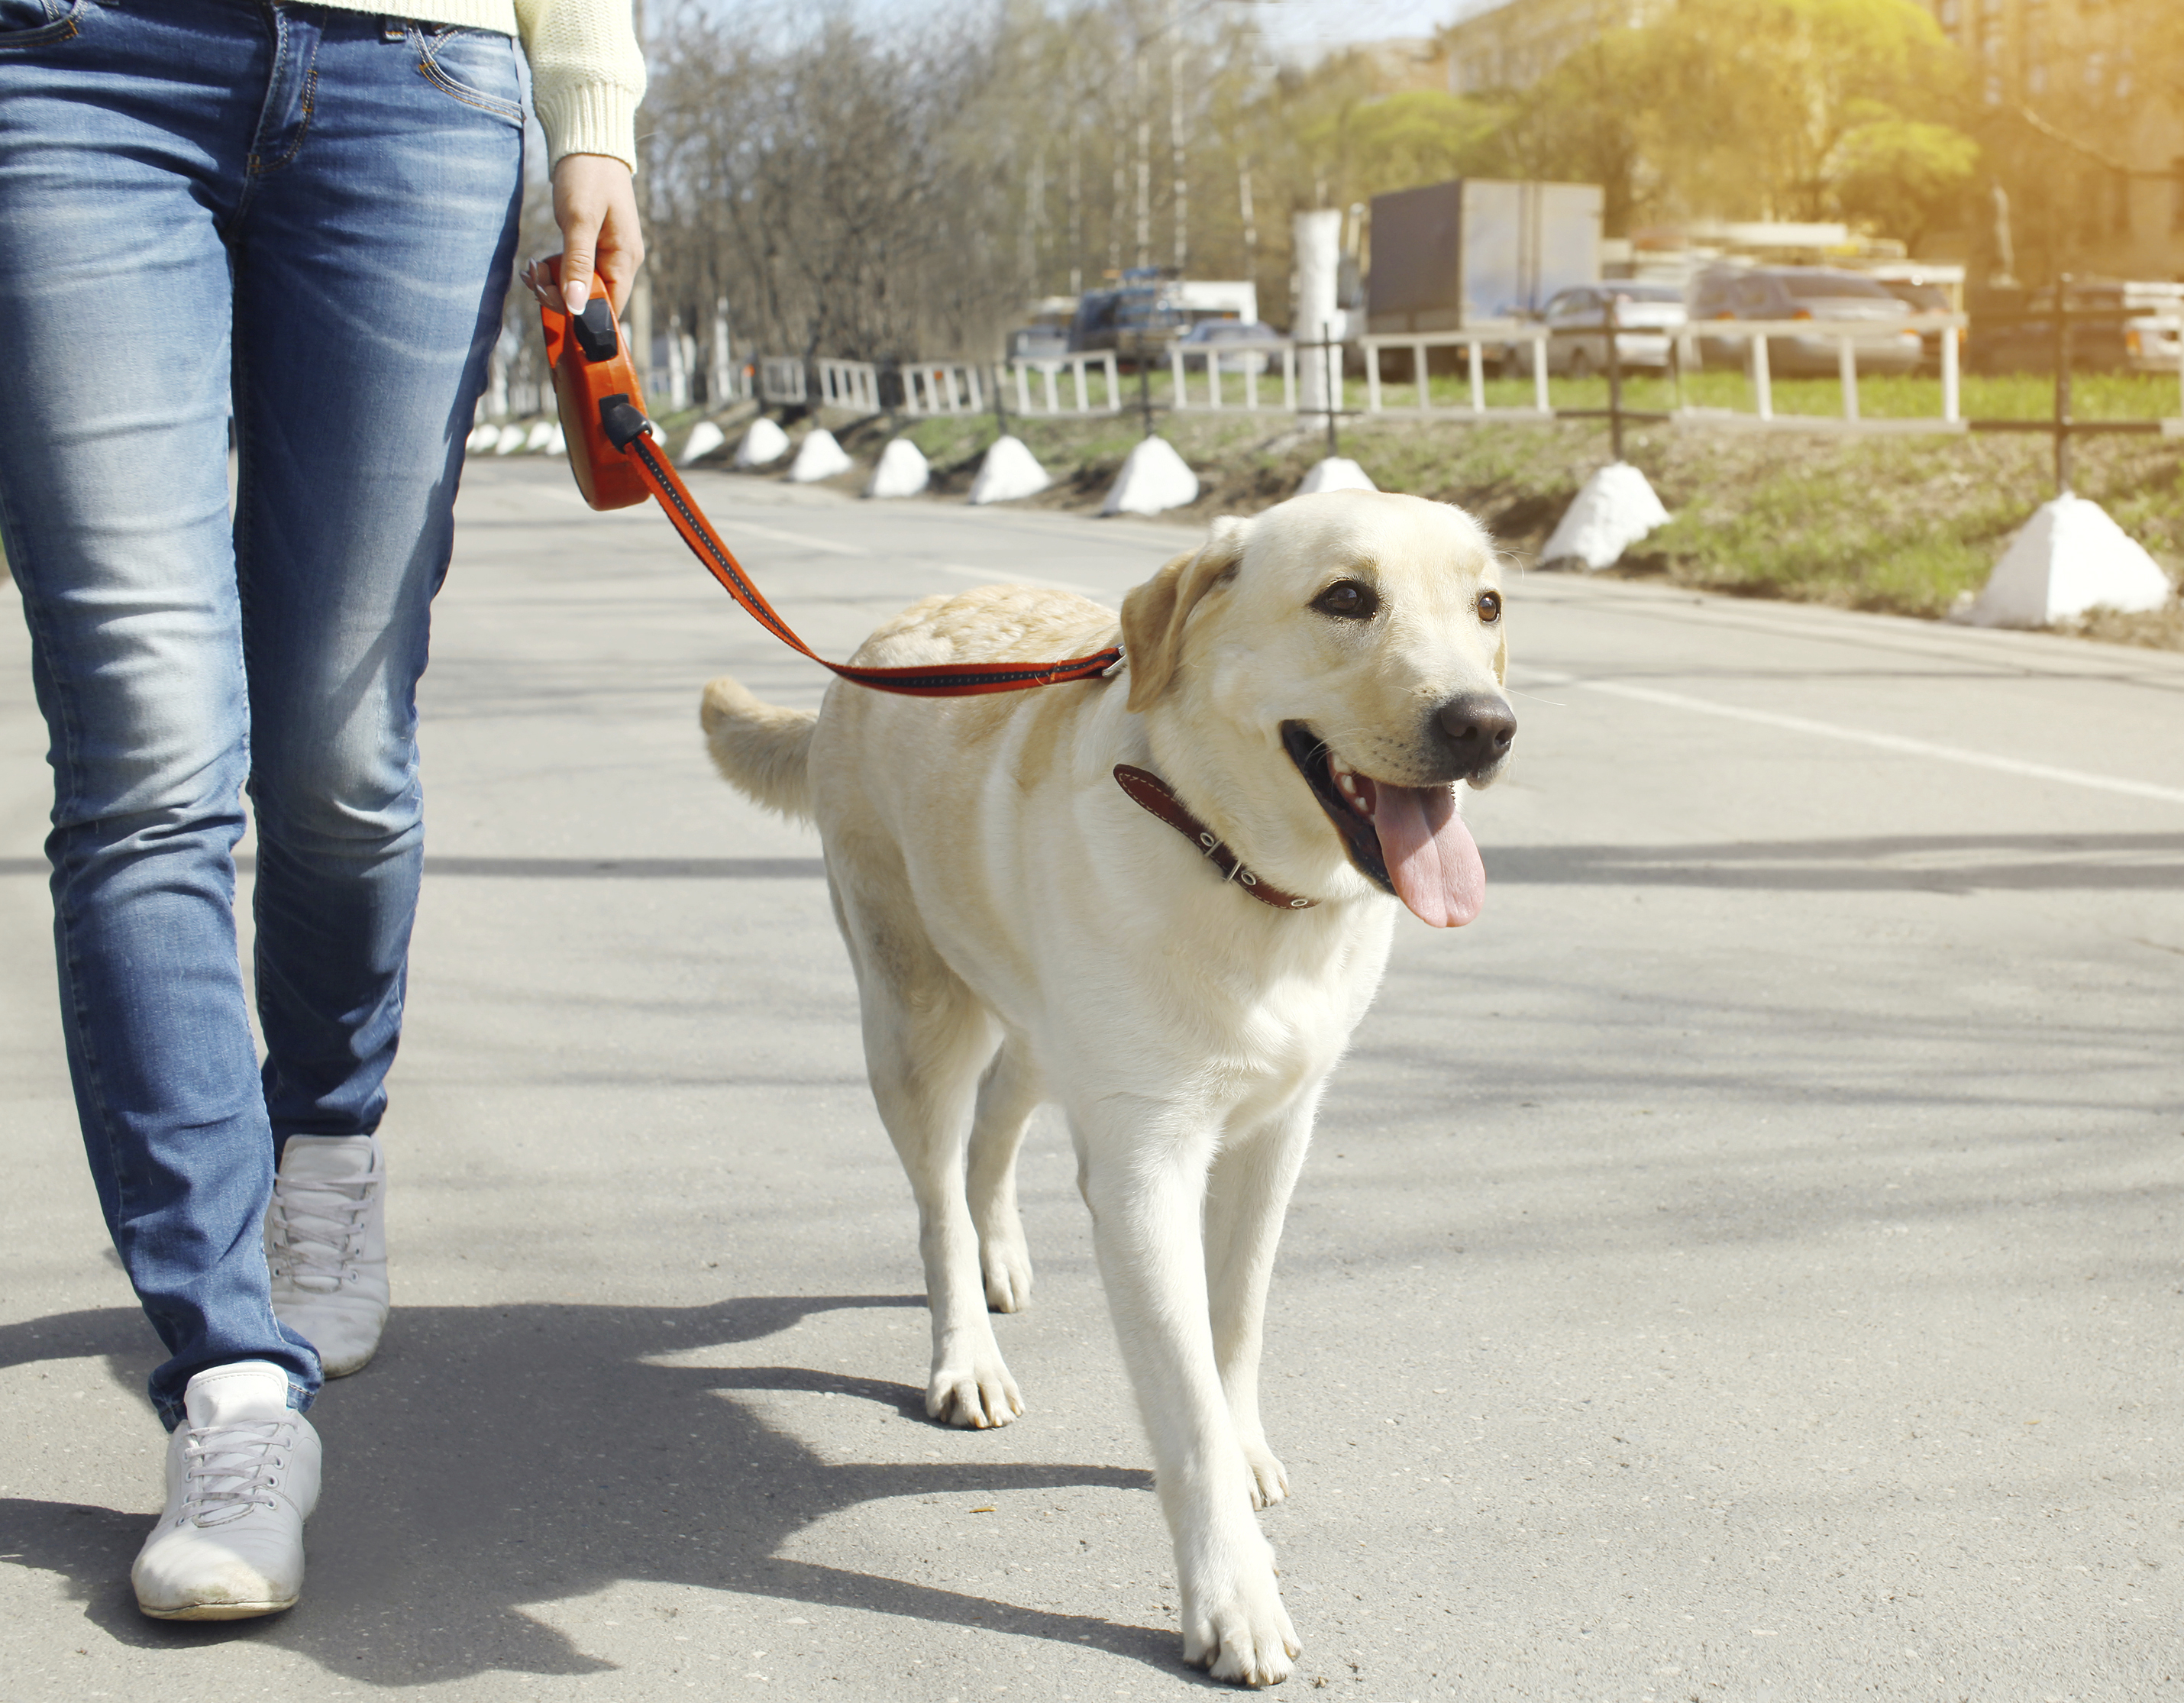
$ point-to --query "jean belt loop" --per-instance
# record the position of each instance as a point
(392, 28)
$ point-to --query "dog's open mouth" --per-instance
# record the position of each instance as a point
(1410, 840)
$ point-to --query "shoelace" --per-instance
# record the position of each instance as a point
(318, 1229)
(232, 1468)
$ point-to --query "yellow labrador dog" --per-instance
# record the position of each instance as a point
(1162, 900)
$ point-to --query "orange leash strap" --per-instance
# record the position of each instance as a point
(618, 462)
(959, 680)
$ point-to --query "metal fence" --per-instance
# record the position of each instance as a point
(1499, 334)
(849, 384)
(1503, 336)
(1209, 378)
(1241, 366)
(1052, 397)
(942, 387)
(1848, 339)
(781, 380)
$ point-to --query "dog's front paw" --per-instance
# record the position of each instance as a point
(1243, 1635)
(1269, 1483)
(975, 1397)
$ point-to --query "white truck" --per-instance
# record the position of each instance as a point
(1450, 254)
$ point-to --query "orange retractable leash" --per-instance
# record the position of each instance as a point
(618, 463)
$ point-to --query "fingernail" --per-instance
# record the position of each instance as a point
(575, 295)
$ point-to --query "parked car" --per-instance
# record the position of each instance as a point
(1243, 345)
(2149, 345)
(1828, 296)
(1143, 316)
(1923, 298)
(1038, 343)
(2014, 329)
(1647, 317)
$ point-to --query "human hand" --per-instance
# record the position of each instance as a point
(595, 205)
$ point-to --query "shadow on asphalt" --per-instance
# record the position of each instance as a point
(493, 1457)
(1950, 863)
(1947, 864)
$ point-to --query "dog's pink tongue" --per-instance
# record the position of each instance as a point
(1430, 854)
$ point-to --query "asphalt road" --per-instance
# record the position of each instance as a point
(1744, 1265)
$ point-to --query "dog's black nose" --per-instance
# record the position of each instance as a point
(1477, 729)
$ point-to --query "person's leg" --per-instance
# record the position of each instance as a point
(369, 266)
(369, 269)
(124, 148)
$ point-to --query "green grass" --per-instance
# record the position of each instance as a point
(2015, 396)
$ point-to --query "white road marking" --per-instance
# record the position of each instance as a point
(1857, 736)
(729, 528)
(1006, 576)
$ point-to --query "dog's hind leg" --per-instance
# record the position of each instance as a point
(926, 1035)
(1008, 1094)
(1247, 1196)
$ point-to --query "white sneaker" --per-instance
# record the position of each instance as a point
(325, 1244)
(242, 1476)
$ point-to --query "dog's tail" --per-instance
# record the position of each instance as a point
(760, 749)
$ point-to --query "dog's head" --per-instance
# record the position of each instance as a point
(1315, 680)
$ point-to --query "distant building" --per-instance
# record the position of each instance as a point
(2084, 133)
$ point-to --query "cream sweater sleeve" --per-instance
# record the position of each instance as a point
(587, 75)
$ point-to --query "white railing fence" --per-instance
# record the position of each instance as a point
(1500, 334)
(1212, 379)
(849, 384)
(1051, 397)
(1242, 366)
(1847, 338)
(1504, 336)
(941, 387)
(781, 379)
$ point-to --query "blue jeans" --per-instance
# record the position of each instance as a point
(304, 219)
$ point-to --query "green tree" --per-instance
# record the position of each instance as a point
(1586, 122)
(1902, 175)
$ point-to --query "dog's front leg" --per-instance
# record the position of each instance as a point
(1143, 1178)
(1247, 1196)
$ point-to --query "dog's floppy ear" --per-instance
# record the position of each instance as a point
(1153, 613)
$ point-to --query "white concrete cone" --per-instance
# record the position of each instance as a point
(1336, 473)
(902, 471)
(1153, 480)
(1009, 471)
(540, 435)
(1615, 509)
(818, 456)
(482, 439)
(763, 445)
(2069, 557)
(557, 444)
(511, 440)
(704, 439)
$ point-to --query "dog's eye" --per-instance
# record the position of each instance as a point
(1350, 600)
(1490, 607)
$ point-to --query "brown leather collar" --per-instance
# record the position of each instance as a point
(1156, 795)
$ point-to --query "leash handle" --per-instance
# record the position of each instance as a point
(615, 456)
